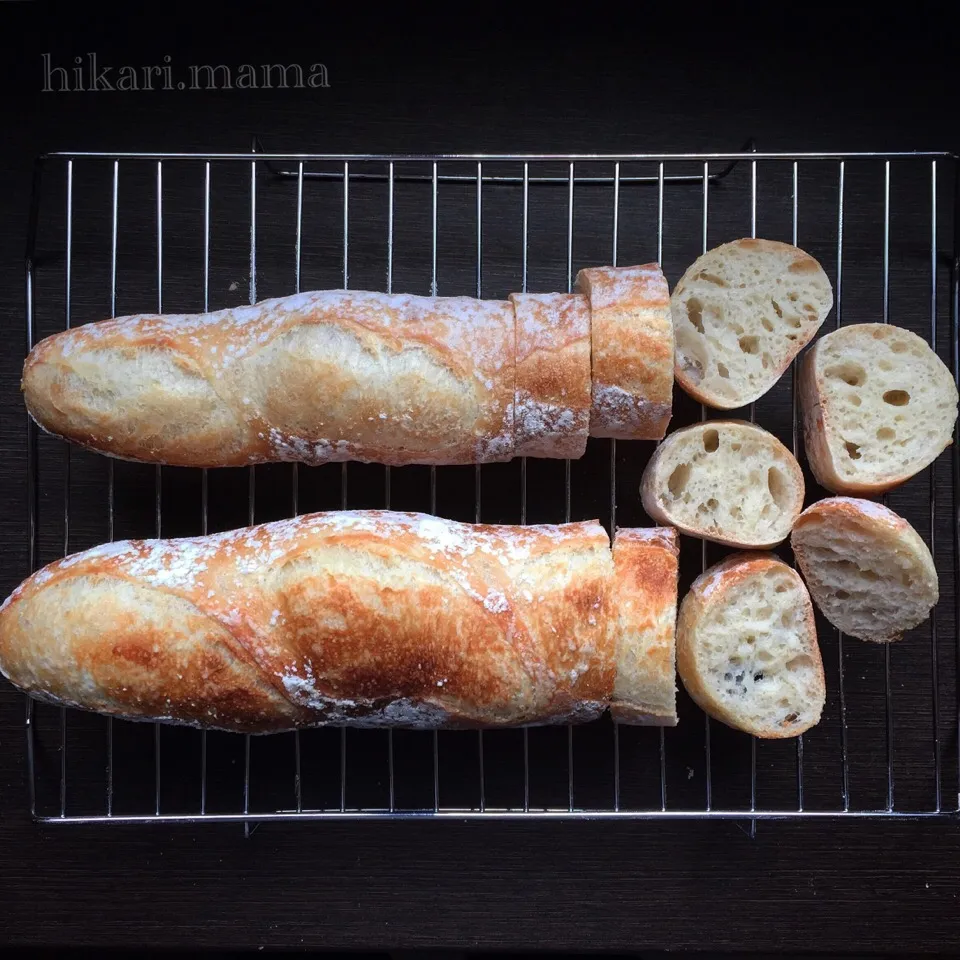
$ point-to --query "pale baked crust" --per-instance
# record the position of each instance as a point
(315, 377)
(552, 411)
(709, 588)
(362, 618)
(646, 569)
(633, 351)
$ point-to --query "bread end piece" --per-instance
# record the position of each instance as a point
(747, 649)
(632, 351)
(646, 563)
(869, 571)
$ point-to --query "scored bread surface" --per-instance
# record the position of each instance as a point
(632, 345)
(643, 616)
(878, 407)
(728, 481)
(869, 571)
(354, 617)
(553, 375)
(747, 649)
(741, 313)
(316, 377)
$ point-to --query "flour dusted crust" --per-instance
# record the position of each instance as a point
(633, 351)
(644, 615)
(313, 378)
(365, 618)
(552, 411)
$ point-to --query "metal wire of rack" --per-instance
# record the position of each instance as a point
(88, 769)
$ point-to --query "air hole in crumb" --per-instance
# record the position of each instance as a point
(850, 373)
(767, 325)
(777, 307)
(898, 347)
(765, 361)
(734, 446)
(809, 308)
(695, 313)
(749, 344)
(790, 718)
(896, 398)
(855, 400)
(886, 433)
(777, 485)
(711, 440)
(712, 278)
(792, 297)
(842, 595)
(678, 479)
(712, 504)
(723, 371)
(757, 677)
(853, 450)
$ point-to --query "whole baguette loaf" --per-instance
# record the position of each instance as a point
(362, 618)
(316, 377)
(632, 345)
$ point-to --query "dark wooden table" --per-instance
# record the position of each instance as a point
(824, 886)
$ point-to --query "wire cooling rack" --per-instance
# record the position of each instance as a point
(134, 232)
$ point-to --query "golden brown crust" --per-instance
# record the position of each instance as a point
(633, 351)
(708, 589)
(315, 378)
(646, 570)
(553, 374)
(356, 617)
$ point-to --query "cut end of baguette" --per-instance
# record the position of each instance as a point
(741, 313)
(878, 407)
(727, 481)
(869, 571)
(747, 649)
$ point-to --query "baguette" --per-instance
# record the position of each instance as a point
(632, 343)
(747, 649)
(553, 375)
(362, 618)
(878, 407)
(727, 481)
(742, 312)
(312, 378)
(644, 615)
(869, 571)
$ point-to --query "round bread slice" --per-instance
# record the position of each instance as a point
(741, 313)
(869, 571)
(747, 649)
(728, 481)
(878, 407)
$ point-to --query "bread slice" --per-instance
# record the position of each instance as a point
(646, 568)
(724, 480)
(741, 313)
(747, 648)
(869, 571)
(878, 406)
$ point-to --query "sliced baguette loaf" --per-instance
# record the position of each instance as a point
(747, 649)
(727, 481)
(741, 313)
(878, 406)
(644, 617)
(869, 571)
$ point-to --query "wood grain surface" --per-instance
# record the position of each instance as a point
(832, 886)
